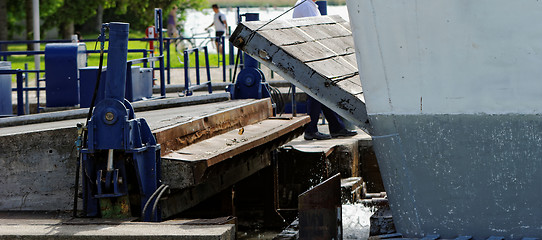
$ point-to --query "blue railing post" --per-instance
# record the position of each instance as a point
(208, 69)
(294, 107)
(196, 55)
(20, 103)
(161, 44)
(231, 55)
(223, 40)
(168, 46)
(38, 91)
(186, 74)
(145, 56)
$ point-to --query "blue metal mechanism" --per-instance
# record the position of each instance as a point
(62, 63)
(251, 81)
(120, 157)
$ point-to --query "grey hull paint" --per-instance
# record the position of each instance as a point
(454, 175)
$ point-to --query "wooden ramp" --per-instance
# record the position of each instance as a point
(316, 54)
(205, 156)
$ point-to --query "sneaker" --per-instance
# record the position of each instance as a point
(317, 136)
(344, 133)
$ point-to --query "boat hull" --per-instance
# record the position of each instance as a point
(457, 175)
(453, 91)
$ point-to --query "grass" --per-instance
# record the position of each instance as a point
(18, 62)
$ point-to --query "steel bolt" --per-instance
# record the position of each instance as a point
(109, 116)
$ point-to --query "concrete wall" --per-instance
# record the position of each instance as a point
(37, 170)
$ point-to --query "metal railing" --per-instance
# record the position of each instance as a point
(188, 89)
(222, 41)
(20, 89)
(20, 102)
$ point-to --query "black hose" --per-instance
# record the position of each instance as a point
(149, 200)
(89, 115)
(158, 200)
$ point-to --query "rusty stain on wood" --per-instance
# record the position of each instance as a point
(184, 134)
(227, 145)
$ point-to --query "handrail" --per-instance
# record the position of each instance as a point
(187, 82)
(20, 103)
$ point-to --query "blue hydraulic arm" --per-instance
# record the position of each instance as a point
(121, 159)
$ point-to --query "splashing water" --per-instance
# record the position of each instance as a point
(356, 221)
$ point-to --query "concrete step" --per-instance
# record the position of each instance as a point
(33, 226)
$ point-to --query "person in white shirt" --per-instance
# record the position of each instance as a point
(308, 8)
(220, 25)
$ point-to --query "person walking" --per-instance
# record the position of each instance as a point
(308, 8)
(220, 25)
(172, 23)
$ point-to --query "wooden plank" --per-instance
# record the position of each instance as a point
(322, 49)
(327, 31)
(314, 77)
(287, 36)
(351, 84)
(335, 67)
(232, 143)
(310, 51)
(340, 45)
(297, 22)
(183, 134)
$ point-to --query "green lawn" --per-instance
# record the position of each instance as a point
(18, 62)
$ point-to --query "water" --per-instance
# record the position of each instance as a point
(356, 221)
(197, 21)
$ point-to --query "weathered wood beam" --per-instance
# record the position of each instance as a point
(316, 54)
(183, 134)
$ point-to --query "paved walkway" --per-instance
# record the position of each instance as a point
(41, 225)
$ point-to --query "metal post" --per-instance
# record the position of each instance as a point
(117, 57)
(38, 91)
(27, 105)
(294, 107)
(20, 103)
(161, 40)
(223, 40)
(36, 31)
(168, 46)
(208, 69)
(196, 56)
(145, 56)
(231, 55)
(186, 74)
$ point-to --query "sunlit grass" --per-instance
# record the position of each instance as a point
(93, 59)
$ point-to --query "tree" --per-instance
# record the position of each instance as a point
(3, 23)
(29, 23)
(69, 13)
(140, 14)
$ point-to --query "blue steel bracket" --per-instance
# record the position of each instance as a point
(113, 126)
(250, 84)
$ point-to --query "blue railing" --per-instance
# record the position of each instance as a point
(20, 102)
(187, 83)
(20, 89)
(222, 40)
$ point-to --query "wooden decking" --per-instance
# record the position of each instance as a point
(316, 54)
(206, 155)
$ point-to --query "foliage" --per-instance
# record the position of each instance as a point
(71, 12)
(140, 14)
(59, 13)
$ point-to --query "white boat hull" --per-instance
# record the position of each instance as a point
(453, 90)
